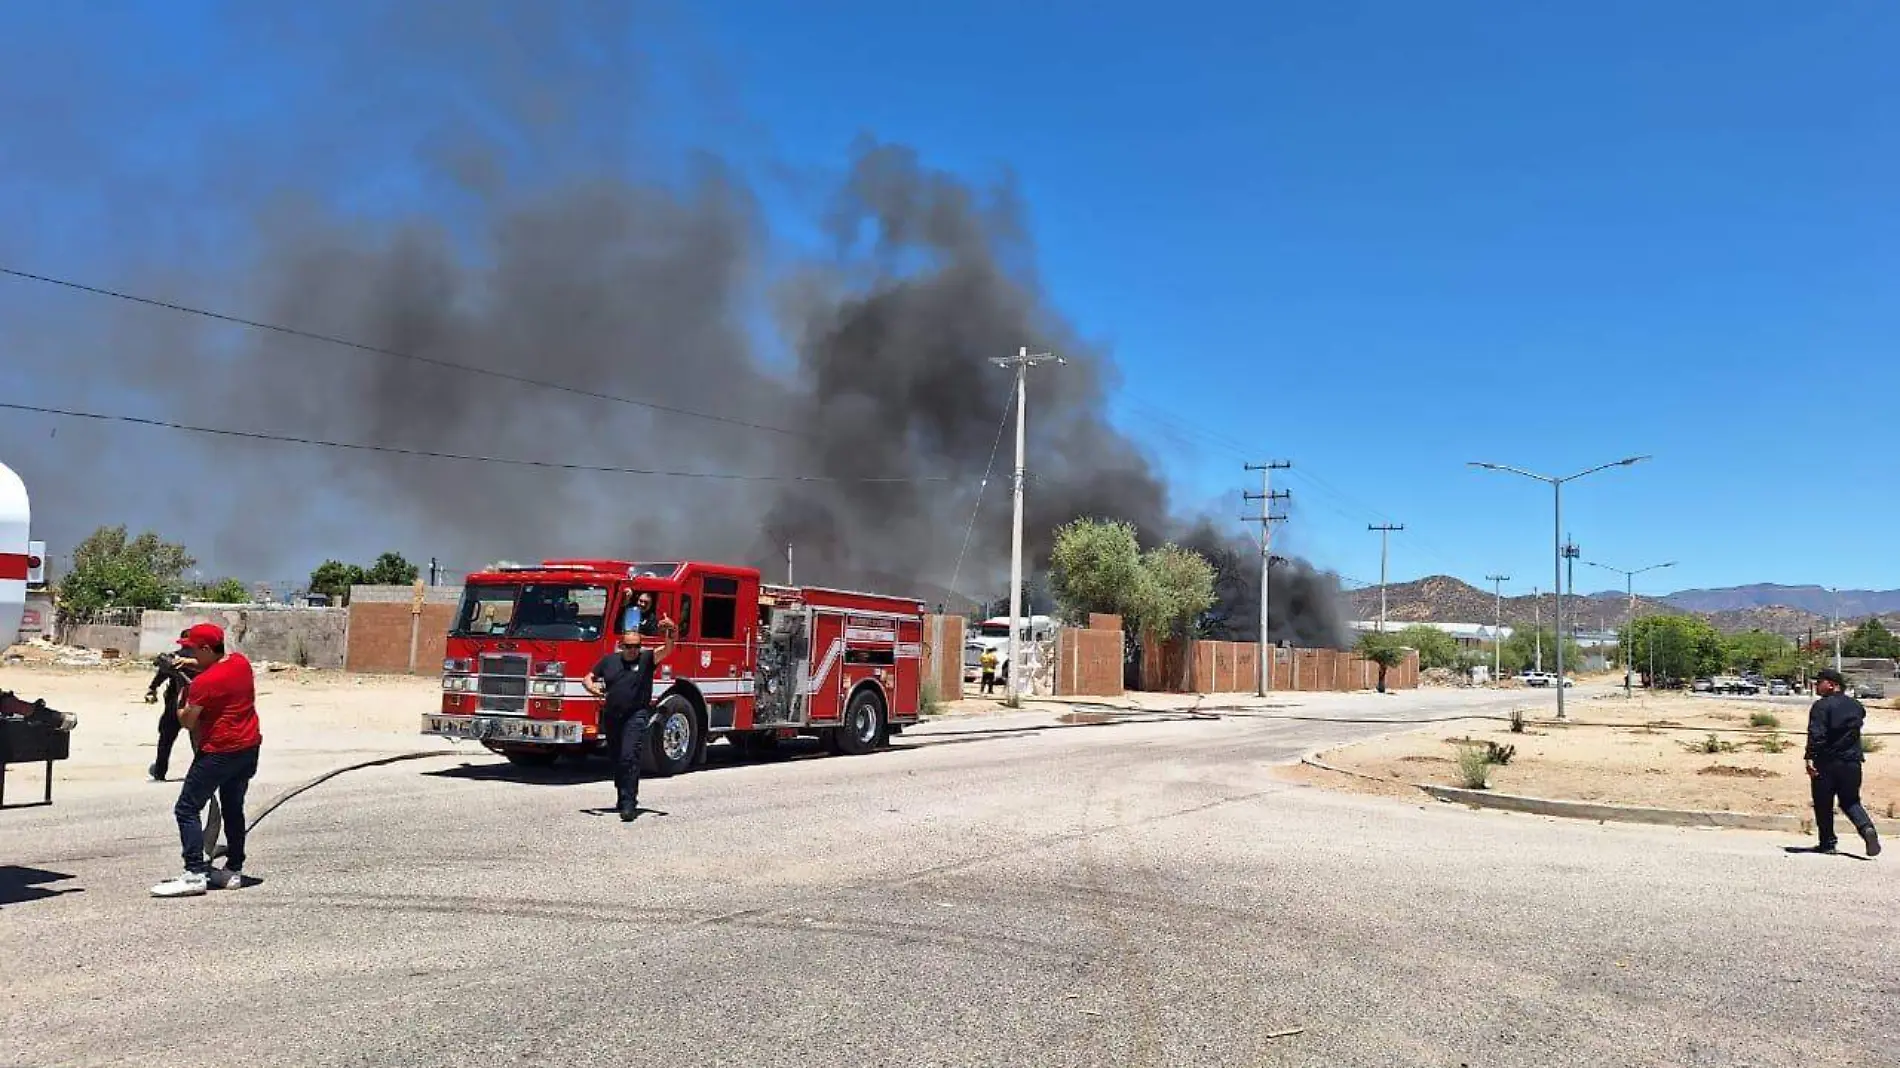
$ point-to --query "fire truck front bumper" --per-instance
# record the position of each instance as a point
(502, 729)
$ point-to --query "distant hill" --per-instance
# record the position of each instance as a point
(1813, 599)
(1443, 599)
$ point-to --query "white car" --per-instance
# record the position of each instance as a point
(1544, 678)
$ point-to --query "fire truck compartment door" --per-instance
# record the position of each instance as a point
(825, 688)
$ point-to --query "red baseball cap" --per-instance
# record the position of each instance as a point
(202, 635)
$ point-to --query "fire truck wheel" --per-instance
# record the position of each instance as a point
(672, 737)
(863, 729)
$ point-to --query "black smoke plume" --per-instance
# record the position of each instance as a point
(562, 239)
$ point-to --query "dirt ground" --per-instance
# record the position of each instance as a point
(1652, 752)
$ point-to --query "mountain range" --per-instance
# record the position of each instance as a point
(1788, 610)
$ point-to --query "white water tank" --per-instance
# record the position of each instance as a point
(13, 554)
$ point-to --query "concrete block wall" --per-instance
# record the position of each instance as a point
(381, 623)
(314, 637)
(101, 637)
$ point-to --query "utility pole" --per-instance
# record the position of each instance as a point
(1497, 626)
(788, 564)
(1264, 669)
(1537, 628)
(1836, 591)
(1629, 628)
(1570, 553)
(432, 570)
(1385, 532)
(1022, 362)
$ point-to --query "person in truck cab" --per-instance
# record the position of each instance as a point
(624, 681)
(644, 618)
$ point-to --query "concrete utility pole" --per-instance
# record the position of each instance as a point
(1556, 536)
(1497, 626)
(788, 563)
(1836, 591)
(1385, 532)
(1537, 628)
(1570, 553)
(1629, 585)
(1022, 362)
(1264, 669)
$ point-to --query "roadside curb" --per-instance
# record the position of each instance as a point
(1582, 810)
(1590, 810)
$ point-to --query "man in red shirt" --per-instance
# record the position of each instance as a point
(221, 714)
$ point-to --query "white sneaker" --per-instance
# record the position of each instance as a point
(224, 879)
(190, 884)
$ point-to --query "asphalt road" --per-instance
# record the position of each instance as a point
(984, 894)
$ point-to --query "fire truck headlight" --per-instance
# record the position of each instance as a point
(554, 668)
(458, 684)
(546, 687)
(455, 664)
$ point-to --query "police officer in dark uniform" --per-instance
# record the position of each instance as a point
(175, 673)
(1834, 761)
(624, 680)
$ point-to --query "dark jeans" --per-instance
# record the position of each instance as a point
(227, 775)
(1837, 780)
(989, 682)
(626, 736)
(168, 729)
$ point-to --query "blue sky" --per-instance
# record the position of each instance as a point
(1375, 239)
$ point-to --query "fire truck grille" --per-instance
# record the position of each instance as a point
(504, 683)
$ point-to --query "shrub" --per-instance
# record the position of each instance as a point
(1871, 744)
(1498, 754)
(1764, 719)
(1772, 743)
(1474, 768)
(1517, 721)
(1712, 744)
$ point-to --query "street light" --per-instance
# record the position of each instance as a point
(1557, 541)
(1629, 580)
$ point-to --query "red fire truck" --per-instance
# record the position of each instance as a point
(753, 663)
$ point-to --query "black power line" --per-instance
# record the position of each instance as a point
(431, 454)
(433, 361)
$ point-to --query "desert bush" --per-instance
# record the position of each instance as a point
(1474, 768)
(1764, 719)
(1517, 721)
(1498, 754)
(1871, 744)
(1712, 744)
(1771, 743)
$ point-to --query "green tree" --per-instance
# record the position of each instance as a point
(1096, 567)
(1176, 586)
(111, 570)
(1436, 649)
(1383, 650)
(390, 569)
(1678, 646)
(1754, 650)
(1871, 638)
(225, 591)
(333, 578)
(1520, 651)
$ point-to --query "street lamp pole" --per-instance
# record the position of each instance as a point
(1557, 541)
(1629, 586)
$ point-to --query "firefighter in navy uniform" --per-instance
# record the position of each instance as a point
(1834, 761)
(624, 681)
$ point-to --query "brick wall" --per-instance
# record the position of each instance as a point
(380, 627)
(1317, 670)
(1088, 662)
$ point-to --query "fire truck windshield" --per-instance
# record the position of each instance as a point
(536, 610)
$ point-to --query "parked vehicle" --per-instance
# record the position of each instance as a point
(1702, 686)
(1869, 688)
(1779, 688)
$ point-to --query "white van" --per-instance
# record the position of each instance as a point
(993, 633)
